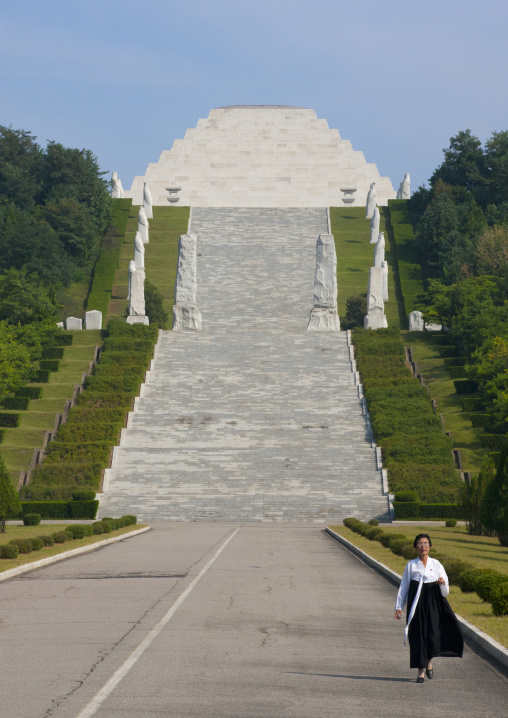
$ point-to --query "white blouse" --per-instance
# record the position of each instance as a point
(414, 571)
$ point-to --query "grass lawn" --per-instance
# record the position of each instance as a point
(161, 256)
(18, 444)
(355, 256)
(442, 389)
(483, 551)
(12, 532)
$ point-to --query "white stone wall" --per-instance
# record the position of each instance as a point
(261, 157)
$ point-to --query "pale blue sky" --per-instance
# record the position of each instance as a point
(125, 79)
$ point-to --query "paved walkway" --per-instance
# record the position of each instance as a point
(253, 418)
(284, 622)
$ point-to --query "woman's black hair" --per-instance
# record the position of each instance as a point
(420, 536)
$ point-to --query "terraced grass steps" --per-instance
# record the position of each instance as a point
(253, 418)
(355, 256)
(18, 444)
(161, 255)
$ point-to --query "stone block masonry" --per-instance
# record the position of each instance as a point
(261, 156)
(253, 418)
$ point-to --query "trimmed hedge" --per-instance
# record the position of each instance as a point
(9, 551)
(41, 376)
(83, 495)
(52, 353)
(16, 403)
(432, 482)
(418, 510)
(10, 420)
(454, 361)
(61, 509)
(32, 392)
(499, 599)
(49, 365)
(465, 386)
(493, 441)
(481, 421)
(471, 404)
(31, 519)
(84, 509)
(64, 339)
(76, 459)
(447, 351)
(457, 372)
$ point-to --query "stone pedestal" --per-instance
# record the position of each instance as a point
(324, 319)
(93, 319)
(375, 318)
(186, 316)
(416, 322)
(138, 320)
(73, 323)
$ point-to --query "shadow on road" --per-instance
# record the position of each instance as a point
(356, 678)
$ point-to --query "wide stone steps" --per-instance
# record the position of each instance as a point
(252, 418)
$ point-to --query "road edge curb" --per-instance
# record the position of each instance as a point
(489, 645)
(13, 572)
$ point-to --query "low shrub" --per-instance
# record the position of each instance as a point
(63, 339)
(51, 365)
(480, 421)
(387, 538)
(132, 519)
(99, 528)
(450, 523)
(454, 567)
(457, 372)
(77, 530)
(32, 392)
(499, 599)
(373, 522)
(408, 551)
(52, 353)
(486, 583)
(84, 509)
(434, 483)
(31, 519)
(60, 537)
(83, 495)
(47, 540)
(435, 448)
(41, 376)
(37, 543)
(465, 386)
(16, 403)
(493, 441)
(24, 545)
(46, 509)
(9, 550)
(398, 546)
(407, 497)
(373, 533)
(468, 580)
(11, 421)
(471, 404)
(406, 510)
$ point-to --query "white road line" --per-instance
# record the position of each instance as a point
(93, 706)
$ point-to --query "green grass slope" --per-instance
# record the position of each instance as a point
(161, 256)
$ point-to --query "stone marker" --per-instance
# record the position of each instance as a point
(136, 295)
(384, 267)
(139, 252)
(117, 189)
(143, 225)
(375, 318)
(416, 321)
(374, 226)
(379, 250)
(405, 187)
(60, 325)
(371, 200)
(323, 316)
(186, 316)
(147, 201)
(93, 319)
(185, 285)
(73, 323)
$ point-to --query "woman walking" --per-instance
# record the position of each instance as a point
(431, 625)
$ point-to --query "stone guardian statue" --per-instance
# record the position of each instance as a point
(147, 201)
(379, 250)
(117, 189)
(371, 200)
(143, 225)
(374, 226)
(139, 252)
(405, 189)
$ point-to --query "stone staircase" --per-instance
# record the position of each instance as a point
(253, 418)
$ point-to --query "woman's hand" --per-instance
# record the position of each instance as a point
(440, 581)
(398, 614)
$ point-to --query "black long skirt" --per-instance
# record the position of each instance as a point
(434, 630)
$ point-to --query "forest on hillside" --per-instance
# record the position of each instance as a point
(461, 225)
(54, 208)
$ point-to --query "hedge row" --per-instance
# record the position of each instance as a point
(493, 441)
(107, 264)
(465, 386)
(16, 403)
(52, 353)
(471, 404)
(415, 451)
(490, 585)
(61, 509)
(70, 533)
(10, 420)
(83, 444)
(32, 392)
(49, 365)
(41, 376)
(419, 510)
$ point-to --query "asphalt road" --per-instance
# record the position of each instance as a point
(281, 621)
